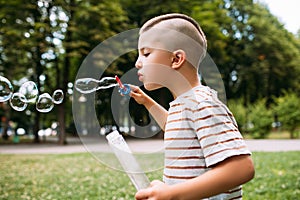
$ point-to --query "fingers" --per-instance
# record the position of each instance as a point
(136, 92)
(149, 193)
(134, 88)
(142, 194)
(155, 182)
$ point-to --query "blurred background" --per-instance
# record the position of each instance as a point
(46, 41)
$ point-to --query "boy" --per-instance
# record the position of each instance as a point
(205, 155)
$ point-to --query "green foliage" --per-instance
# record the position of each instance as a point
(271, 68)
(139, 12)
(287, 109)
(239, 112)
(262, 53)
(214, 20)
(257, 118)
(79, 176)
(260, 119)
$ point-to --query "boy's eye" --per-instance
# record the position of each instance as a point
(146, 54)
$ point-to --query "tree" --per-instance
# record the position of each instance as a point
(260, 119)
(287, 109)
(265, 55)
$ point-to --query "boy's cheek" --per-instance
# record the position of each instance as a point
(156, 76)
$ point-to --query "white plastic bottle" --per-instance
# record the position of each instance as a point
(127, 160)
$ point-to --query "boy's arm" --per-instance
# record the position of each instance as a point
(226, 175)
(158, 112)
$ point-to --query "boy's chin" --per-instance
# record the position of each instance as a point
(152, 86)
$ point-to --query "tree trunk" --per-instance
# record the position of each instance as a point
(4, 124)
(62, 139)
(292, 134)
(4, 121)
(36, 127)
(65, 78)
(39, 72)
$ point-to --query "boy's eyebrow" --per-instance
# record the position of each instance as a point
(144, 48)
(141, 49)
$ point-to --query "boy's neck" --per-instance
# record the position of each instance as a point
(184, 90)
(191, 80)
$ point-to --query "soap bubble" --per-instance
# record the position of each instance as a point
(58, 96)
(89, 85)
(86, 85)
(6, 89)
(18, 102)
(30, 91)
(44, 103)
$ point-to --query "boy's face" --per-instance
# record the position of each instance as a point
(153, 65)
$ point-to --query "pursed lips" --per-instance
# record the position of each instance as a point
(140, 75)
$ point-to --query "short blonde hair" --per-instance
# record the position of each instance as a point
(188, 35)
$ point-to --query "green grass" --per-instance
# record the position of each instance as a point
(81, 176)
(277, 176)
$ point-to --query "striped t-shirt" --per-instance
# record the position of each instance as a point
(200, 132)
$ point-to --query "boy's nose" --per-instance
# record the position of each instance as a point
(138, 63)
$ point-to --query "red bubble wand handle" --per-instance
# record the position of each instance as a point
(119, 82)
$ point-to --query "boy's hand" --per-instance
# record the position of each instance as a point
(157, 191)
(139, 96)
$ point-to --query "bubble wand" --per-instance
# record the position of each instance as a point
(124, 88)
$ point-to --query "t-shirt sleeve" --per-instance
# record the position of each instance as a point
(217, 133)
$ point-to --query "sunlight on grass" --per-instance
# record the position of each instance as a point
(81, 176)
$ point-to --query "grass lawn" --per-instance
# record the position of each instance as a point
(81, 176)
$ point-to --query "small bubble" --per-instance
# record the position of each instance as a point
(58, 96)
(30, 91)
(6, 89)
(44, 103)
(17, 102)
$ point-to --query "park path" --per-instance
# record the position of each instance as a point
(76, 145)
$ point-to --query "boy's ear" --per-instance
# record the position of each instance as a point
(178, 58)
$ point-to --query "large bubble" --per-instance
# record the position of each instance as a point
(89, 85)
